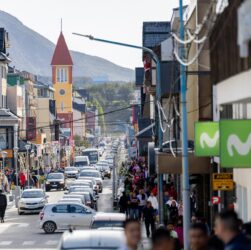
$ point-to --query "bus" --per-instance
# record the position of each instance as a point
(92, 153)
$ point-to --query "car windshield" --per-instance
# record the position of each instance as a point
(55, 176)
(71, 169)
(91, 174)
(33, 194)
(78, 189)
(81, 163)
(98, 224)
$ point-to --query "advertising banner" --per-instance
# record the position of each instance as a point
(207, 138)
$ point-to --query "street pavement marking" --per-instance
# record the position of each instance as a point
(5, 243)
(4, 227)
(28, 243)
(23, 224)
(52, 242)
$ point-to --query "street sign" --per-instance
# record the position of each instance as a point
(207, 138)
(223, 182)
(216, 200)
(235, 143)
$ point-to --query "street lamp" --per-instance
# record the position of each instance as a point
(15, 149)
(158, 95)
(27, 147)
(4, 154)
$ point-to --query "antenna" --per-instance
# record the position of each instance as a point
(61, 24)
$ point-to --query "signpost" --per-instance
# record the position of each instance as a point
(207, 138)
(216, 200)
(235, 143)
(223, 182)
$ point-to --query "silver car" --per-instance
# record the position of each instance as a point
(32, 201)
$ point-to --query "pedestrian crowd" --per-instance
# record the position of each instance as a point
(139, 202)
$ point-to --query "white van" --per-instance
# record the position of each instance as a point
(81, 161)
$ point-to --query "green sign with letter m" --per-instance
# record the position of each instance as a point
(235, 143)
(207, 138)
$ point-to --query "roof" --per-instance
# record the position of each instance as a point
(61, 54)
(109, 216)
(93, 239)
(7, 115)
(79, 104)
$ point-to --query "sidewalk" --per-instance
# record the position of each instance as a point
(11, 203)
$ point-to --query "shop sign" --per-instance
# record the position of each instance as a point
(216, 200)
(207, 138)
(235, 143)
(223, 182)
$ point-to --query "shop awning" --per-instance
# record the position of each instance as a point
(166, 163)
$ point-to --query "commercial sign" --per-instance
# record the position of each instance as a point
(235, 143)
(223, 181)
(207, 138)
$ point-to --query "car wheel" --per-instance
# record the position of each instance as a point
(49, 227)
(19, 213)
(47, 190)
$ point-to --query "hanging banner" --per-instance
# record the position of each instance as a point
(207, 139)
(235, 143)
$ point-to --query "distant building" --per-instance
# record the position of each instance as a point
(79, 111)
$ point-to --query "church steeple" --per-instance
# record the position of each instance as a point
(61, 54)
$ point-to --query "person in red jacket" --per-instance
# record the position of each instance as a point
(22, 180)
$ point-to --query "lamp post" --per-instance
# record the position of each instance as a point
(158, 94)
(27, 147)
(15, 149)
(4, 154)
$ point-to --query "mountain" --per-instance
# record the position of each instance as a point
(32, 52)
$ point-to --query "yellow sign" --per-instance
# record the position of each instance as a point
(223, 182)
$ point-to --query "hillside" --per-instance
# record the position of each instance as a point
(32, 52)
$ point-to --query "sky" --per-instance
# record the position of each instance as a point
(118, 20)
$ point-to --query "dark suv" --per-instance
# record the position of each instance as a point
(55, 181)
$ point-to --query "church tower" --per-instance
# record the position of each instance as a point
(62, 76)
(62, 82)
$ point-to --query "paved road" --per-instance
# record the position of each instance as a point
(22, 232)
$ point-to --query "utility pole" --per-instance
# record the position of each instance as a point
(185, 167)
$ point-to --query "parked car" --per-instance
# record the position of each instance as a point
(32, 201)
(63, 216)
(92, 239)
(96, 175)
(102, 220)
(93, 181)
(90, 201)
(75, 196)
(55, 181)
(107, 172)
(71, 172)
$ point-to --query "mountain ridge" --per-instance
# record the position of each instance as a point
(32, 52)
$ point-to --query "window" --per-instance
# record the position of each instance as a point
(77, 209)
(60, 209)
(62, 106)
(62, 75)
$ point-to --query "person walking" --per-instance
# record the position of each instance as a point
(148, 214)
(3, 205)
(123, 203)
(154, 202)
(134, 206)
(22, 180)
(142, 201)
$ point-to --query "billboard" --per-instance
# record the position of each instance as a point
(207, 138)
(235, 143)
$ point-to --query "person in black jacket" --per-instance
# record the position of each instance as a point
(148, 214)
(3, 205)
(123, 203)
(227, 228)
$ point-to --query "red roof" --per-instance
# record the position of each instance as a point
(61, 54)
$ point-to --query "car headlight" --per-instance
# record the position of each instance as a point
(47, 182)
(21, 203)
(61, 182)
(42, 202)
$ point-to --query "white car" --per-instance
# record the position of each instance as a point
(32, 201)
(71, 172)
(75, 196)
(64, 216)
(95, 174)
(92, 239)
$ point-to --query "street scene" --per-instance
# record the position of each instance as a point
(125, 125)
